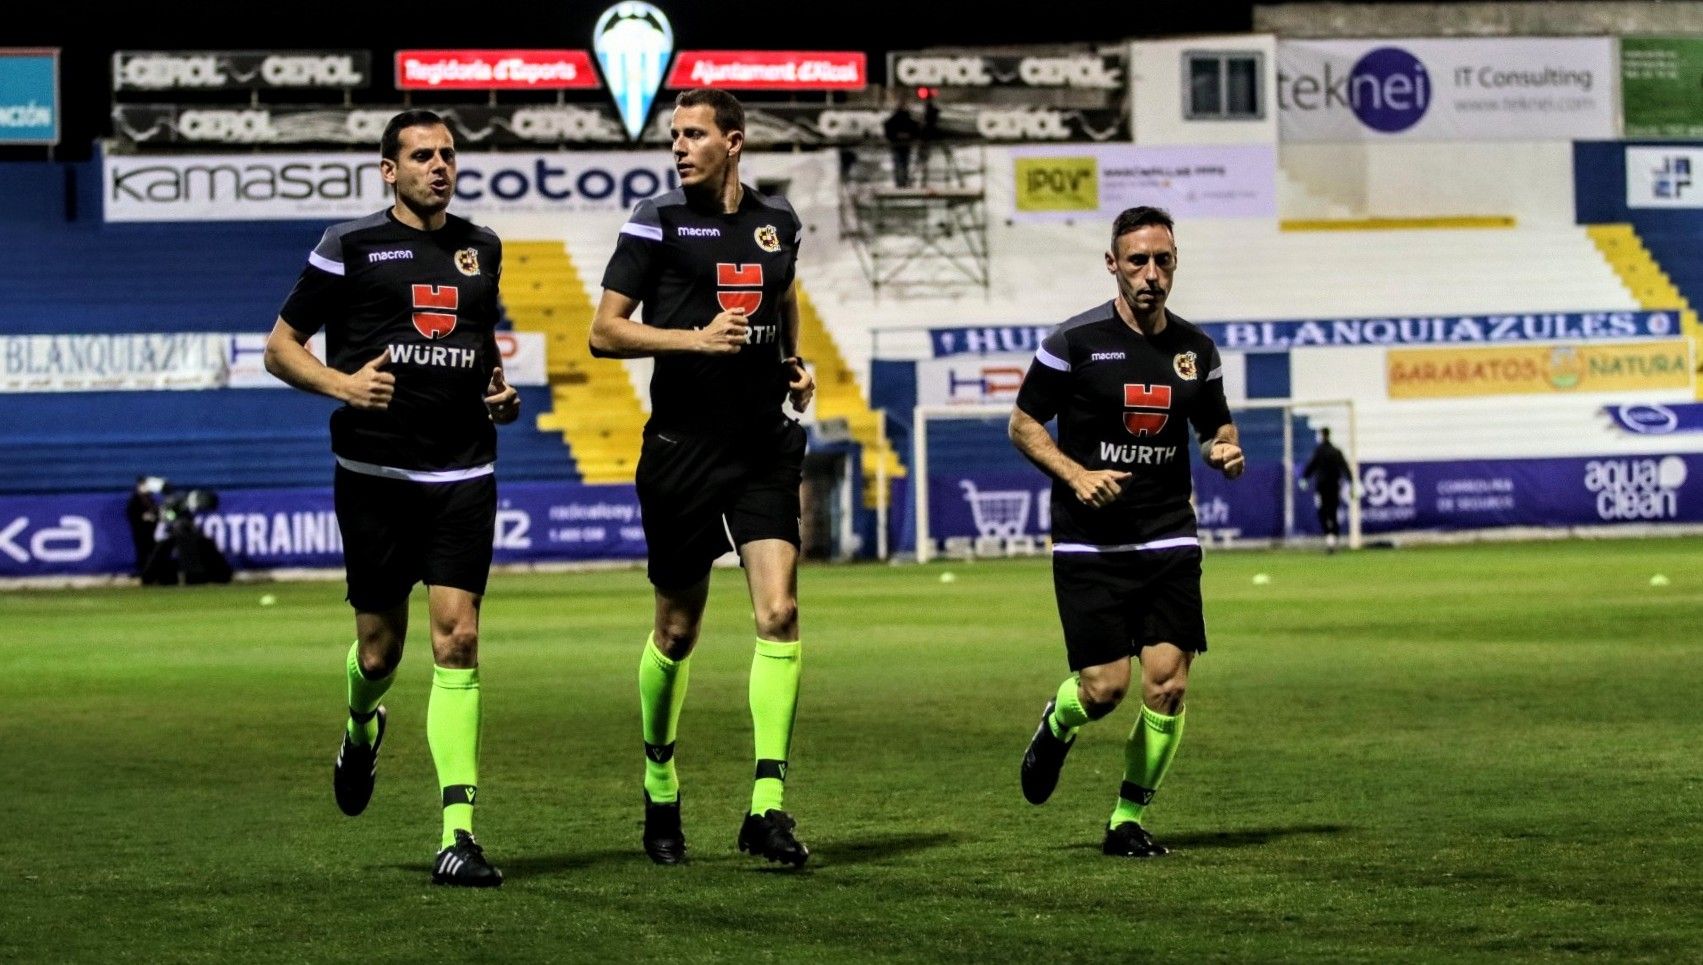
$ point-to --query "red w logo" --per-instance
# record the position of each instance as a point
(728, 275)
(1146, 397)
(440, 323)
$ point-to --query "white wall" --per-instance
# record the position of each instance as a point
(1532, 182)
(1156, 93)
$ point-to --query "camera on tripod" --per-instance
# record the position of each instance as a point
(183, 554)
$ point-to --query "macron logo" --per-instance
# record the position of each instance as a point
(686, 232)
(1107, 357)
(393, 254)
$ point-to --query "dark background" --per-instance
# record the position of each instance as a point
(88, 34)
(88, 37)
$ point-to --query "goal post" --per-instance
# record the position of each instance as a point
(973, 494)
(1283, 432)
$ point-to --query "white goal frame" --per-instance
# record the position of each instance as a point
(1348, 429)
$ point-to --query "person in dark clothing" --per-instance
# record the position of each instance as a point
(1327, 469)
(902, 131)
(143, 514)
(929, 134)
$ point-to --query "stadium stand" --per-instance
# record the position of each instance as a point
(80, 278)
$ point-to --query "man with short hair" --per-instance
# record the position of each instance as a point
(407, 298)
(713, 265)
(1126, 380)
(1327, 469)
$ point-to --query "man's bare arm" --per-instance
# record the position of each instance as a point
(1094, 487)
(614, 334)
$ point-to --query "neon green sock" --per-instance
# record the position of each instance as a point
(1152, 745)
(364, 695)
(452, 730)
(774, 704)
(662, 691)
(1068, 714)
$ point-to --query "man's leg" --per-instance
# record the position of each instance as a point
(664, 669)
(372, 663)
(771, 571)
(1330, 500)
(369, 670)
(1087, 695)
(1093, 612)
(1153, 741)
(452, 731)
(381, 566)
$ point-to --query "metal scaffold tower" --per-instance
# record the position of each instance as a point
(926, 237)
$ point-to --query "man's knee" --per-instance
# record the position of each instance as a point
(379, 661)
(777, 618)
(1165, 695)
(1101, 697)
(676, 634)
(456, 647)
(380, 648)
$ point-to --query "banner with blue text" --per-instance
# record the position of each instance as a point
(85, 534)
(1490, 329)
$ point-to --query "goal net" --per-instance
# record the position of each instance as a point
(972, 495)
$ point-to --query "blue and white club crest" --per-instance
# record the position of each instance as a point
(633, 42)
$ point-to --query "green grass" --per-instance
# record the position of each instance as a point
(1455, 754)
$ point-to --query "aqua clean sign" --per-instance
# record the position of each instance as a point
(29, 95)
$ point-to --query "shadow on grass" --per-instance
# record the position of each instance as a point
(880, 846)
(1246, 838)
(545, 865)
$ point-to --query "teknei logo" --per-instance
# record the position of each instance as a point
(1389, 89)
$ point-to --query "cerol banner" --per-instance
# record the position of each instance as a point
(1477, 89)
(1081, 70)
(474, 126)
(196, 70)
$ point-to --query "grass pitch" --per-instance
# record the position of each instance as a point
(1477, 753)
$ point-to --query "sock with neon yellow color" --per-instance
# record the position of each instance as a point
(662, 692)
(774, 705)
(364, 694)
(1148, 755)
(1068, 714)
(452, 731)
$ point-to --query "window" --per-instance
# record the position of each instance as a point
(1223, 85)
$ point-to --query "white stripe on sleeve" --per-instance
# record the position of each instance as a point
(645, 231)
(1050, 360)
(323, 263)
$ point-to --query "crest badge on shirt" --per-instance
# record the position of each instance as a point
(768, 238)
(1185, 365)
(467, 261)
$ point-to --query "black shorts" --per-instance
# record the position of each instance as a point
(703, 495)
(397, 532)
(1113, 604)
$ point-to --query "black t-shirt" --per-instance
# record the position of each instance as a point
(1328, 465)
(431, 298)
(686, 264)
(1124, 401)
